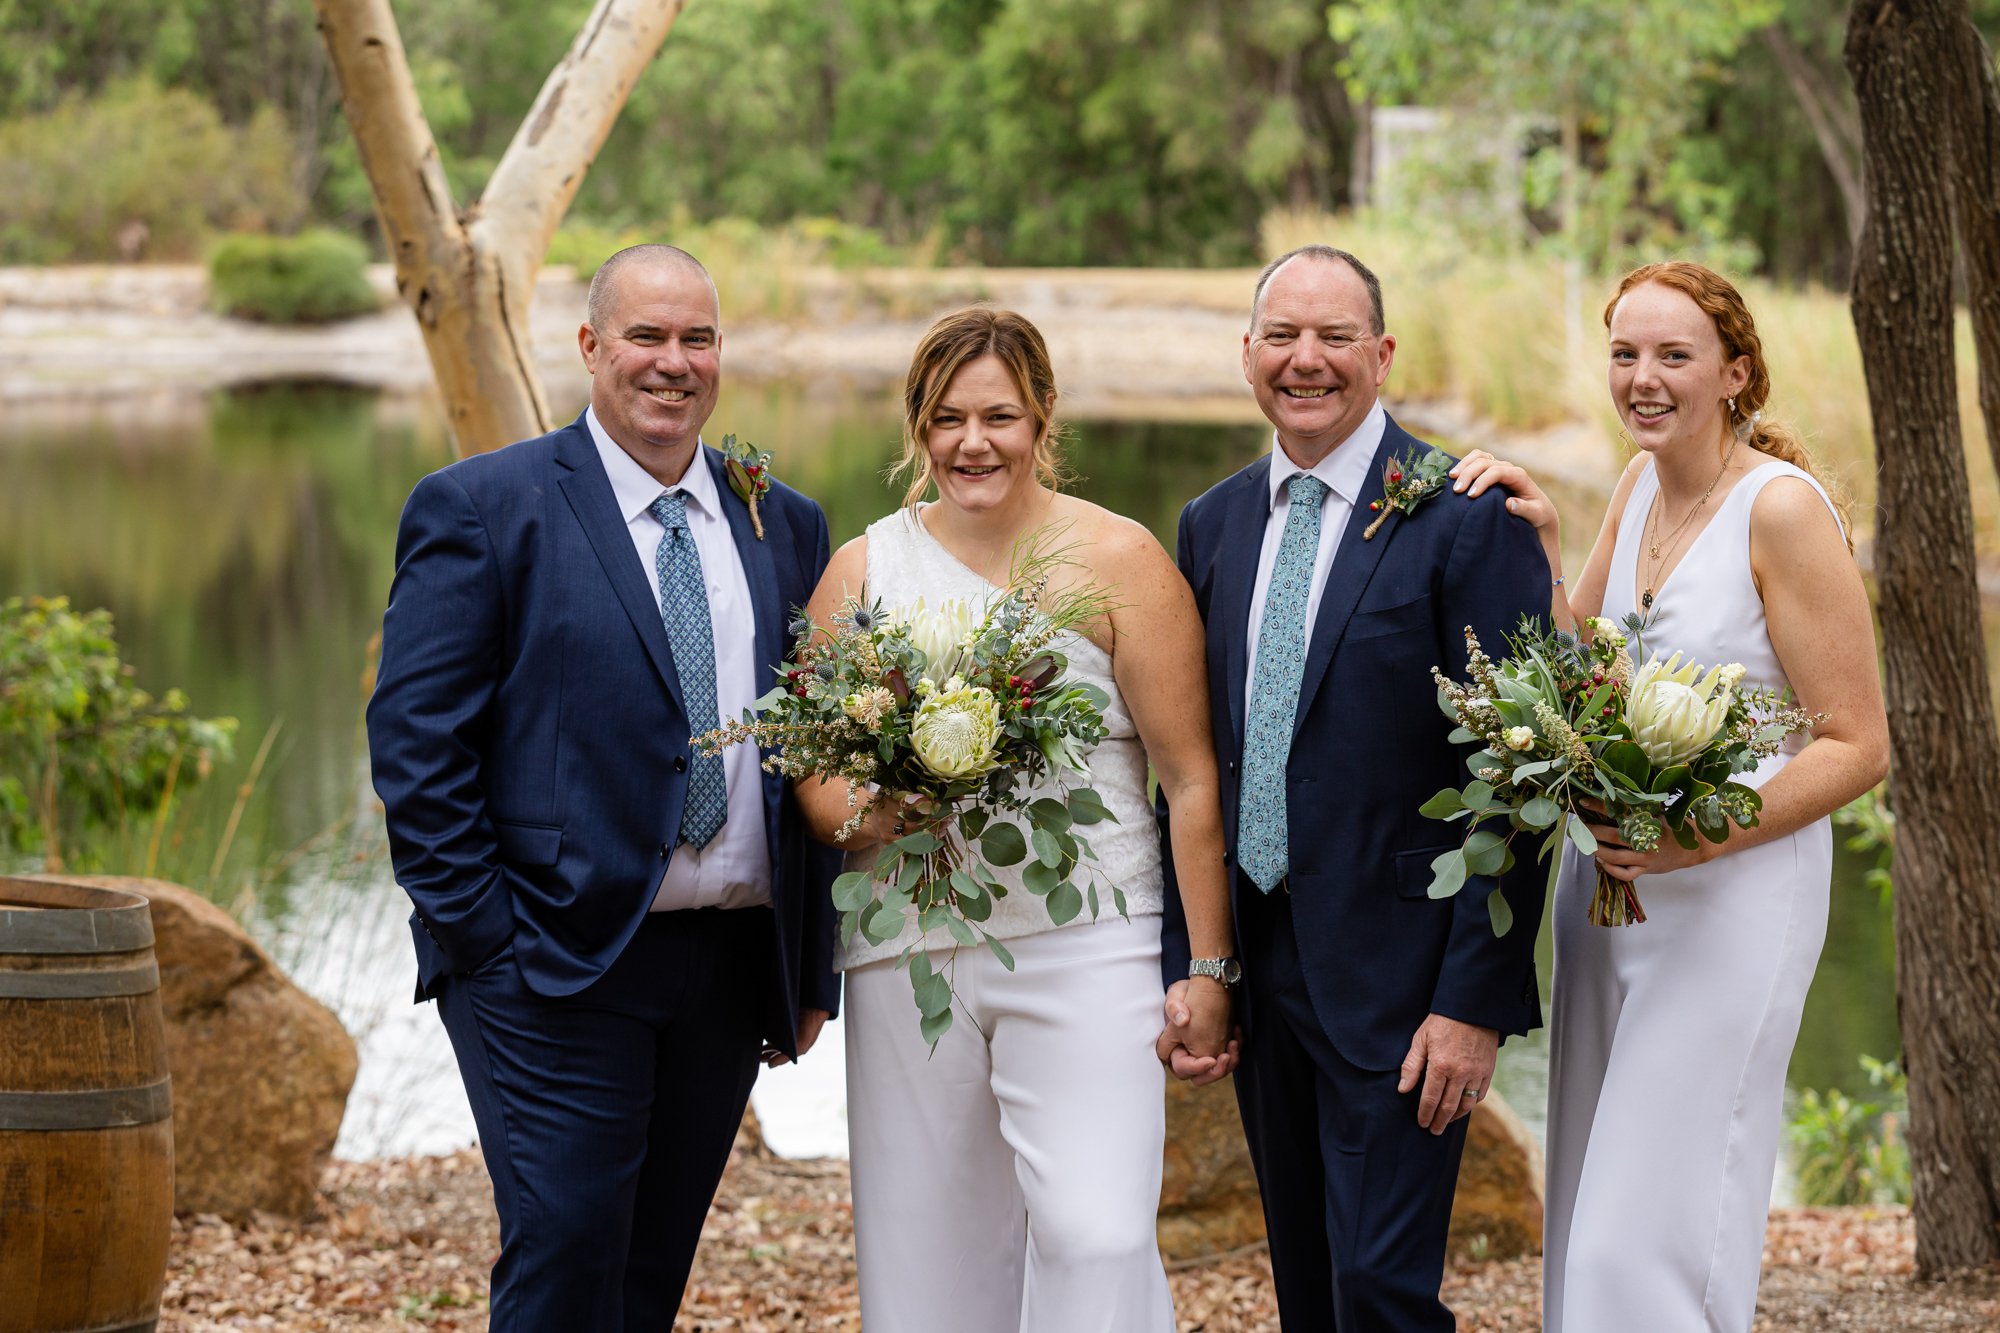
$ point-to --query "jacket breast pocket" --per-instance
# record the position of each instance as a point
(528, 844)
(1413, 871)
(1381, 622)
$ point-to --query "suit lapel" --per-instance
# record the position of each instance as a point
(588, 491)
(759, 571)
(1244, 518)
(1354, 563)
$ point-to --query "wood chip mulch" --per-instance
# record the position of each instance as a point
(405, 1244)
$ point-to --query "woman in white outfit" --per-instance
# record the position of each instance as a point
(1669, 1039)
(1009, 1182)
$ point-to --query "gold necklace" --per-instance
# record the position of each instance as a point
(1673, 538)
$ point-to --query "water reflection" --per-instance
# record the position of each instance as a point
(244, 541)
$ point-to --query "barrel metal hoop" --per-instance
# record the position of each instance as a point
(80, 930)
(80, 985)
(150, 1326)
(95, 1108)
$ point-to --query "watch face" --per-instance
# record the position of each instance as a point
(1232, 971)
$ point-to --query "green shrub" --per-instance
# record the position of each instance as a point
(82, 750)
(73, 177)
(310, 278)
(1850, 1151)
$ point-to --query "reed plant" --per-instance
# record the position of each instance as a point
(1487, 324)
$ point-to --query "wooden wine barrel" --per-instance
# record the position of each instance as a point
(86, 1121)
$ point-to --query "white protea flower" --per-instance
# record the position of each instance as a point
(955, 730)
(944, 633)
(1673, 716)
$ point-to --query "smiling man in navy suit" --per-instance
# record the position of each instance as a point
(615, 927)
(1372, 1013)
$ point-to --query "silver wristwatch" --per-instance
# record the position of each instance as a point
(1225, 970)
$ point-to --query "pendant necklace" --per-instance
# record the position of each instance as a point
(1673, 538)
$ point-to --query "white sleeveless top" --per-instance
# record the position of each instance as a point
(1709, 609)
(906, 563)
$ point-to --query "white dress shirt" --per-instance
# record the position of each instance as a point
(734, 870)
(1345, 472)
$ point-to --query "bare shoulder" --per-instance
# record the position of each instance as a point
(846, 573)
(1113, 546)
(1791, 509)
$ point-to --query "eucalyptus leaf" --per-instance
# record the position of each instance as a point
(1497, 911)
(1005, 958)
(1447, 873)
(960, 931)
(1047, 850)
(919, 843)
(1051, 814)
(1090, 899)
(1446, 802)
(1087, 807)
(851, 890)
(1484, 853)
(1627, 760)
(1039, 878)
(1460, 735)
(1003, 845)
(1064, 903)
(1580, 835)
(935, 1026)
(973, 822)
(908, 874)
(1540, 812)
(1478, 794)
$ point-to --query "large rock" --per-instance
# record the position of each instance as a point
(1208, 1195)
(1498, 1211)
(1209, 1202)
(261, 1070)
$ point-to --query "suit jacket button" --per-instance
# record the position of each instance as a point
(680, 763)
(666, 851)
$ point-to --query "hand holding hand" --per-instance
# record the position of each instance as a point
(810, 1023)
(1454, 1062)
(1197, 1045)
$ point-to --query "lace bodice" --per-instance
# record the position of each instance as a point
(906, 563)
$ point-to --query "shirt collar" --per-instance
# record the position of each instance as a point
(635, 489)
(1345, 470)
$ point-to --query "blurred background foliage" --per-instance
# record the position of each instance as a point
(1046, 132)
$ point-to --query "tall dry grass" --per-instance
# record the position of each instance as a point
(1488, 328)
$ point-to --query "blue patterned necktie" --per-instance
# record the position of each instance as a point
(1262, 833)
(684, 610)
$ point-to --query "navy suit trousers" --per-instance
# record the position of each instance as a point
(606, 1117)
(1357, 1196)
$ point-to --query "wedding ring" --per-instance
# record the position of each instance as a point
(1473, 1093)
(900, 830)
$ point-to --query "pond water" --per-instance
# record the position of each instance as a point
(244, 542)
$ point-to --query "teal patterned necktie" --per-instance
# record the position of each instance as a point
(684, 611)
(1262, 832)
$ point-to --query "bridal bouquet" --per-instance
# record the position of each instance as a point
(954, 716)
(1572, 728)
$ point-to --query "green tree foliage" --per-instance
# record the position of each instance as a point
(72, 176)
(82, 749)
(1853, 1152)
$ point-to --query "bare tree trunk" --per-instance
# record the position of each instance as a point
(1974, 173)
(469, 274)
(1947, 750)
(1834, 123)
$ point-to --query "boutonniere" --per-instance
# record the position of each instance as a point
(1407, 483)
(749, 470)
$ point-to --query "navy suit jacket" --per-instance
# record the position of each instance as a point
(1368, 747)
(527, 732)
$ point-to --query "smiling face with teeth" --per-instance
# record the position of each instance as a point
(1312, 355)
(1670, 375)
(981, 439)
(655, 362)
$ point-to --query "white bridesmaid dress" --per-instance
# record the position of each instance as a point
(1669, 1040)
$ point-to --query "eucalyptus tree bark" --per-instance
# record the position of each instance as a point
(469, 273)
(1973, 169)
(1946, 782)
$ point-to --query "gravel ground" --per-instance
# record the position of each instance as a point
(405, 1244)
